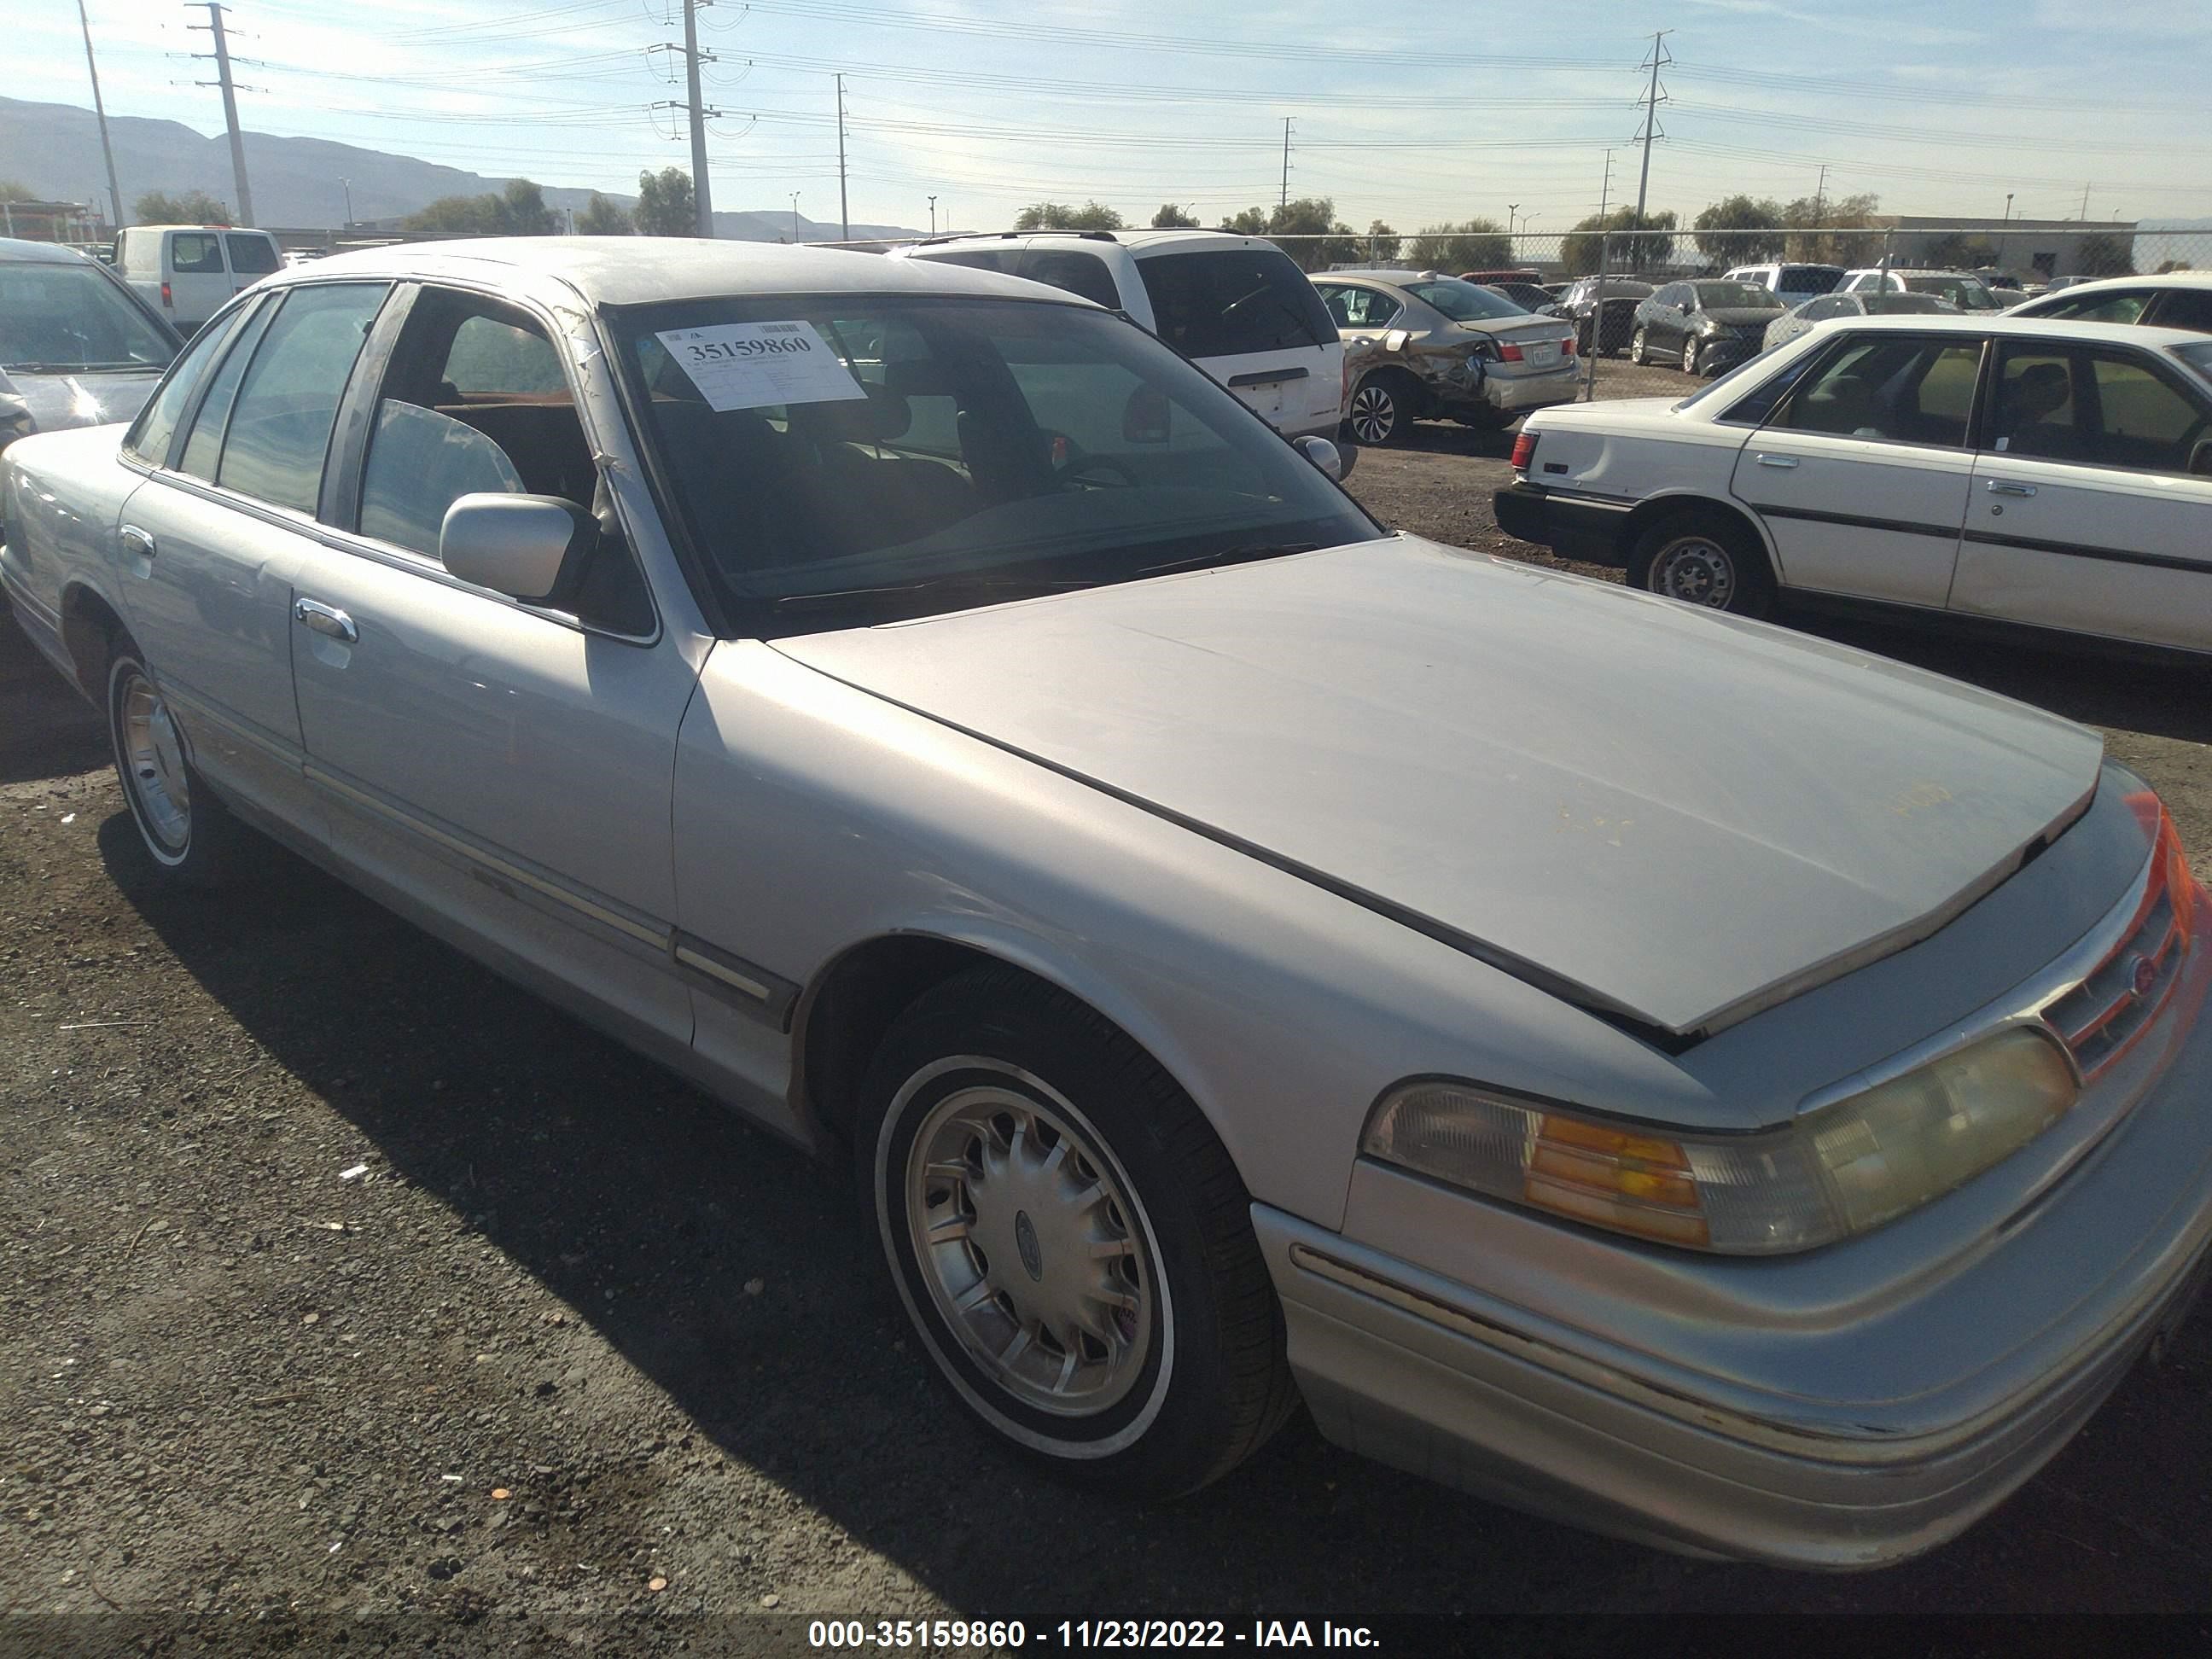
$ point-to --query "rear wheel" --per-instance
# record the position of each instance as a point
(1704, 558)
(188, 833)
(1070, 1240)
(1636, 343)
(1380, 410)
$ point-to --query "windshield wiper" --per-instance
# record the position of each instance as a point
(1035, 585)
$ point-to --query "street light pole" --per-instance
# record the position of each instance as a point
(346, 185)
(932, 215)
(794, 217)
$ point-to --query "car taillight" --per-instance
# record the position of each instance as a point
(1508, 352)
(1524, 451)
(1567, 346)
(166, 300)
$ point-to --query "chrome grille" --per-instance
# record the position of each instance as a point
(2105, 1012)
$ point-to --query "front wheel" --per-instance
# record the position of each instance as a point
(1693, 358)
(1070, 1240)
(1636, 344)
(1702, 558)
(1378, 413)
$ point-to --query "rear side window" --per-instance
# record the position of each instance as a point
(1808, 279)
(1081, 274)
(280, 427)
(2187, 308)
(148, 438)
(1360, 307)
(1231, 301)
(252, 255)
(975, 259)
(196, 253)
(1907, 390)
(204, 447)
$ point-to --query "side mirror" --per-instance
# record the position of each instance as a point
(524, 546)
(1335, 460)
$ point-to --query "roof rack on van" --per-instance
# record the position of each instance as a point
(1008, 235)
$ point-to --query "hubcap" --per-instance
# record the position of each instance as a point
(1696, 570)
(1689, 357)
(1636, 345)
(154, 758)
(1374, 414)
(1031, 1250)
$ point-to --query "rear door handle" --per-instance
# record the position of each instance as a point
(136, 540)
(1776, 460)
(2004, 487)
(330, 623)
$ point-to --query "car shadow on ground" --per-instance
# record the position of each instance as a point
(647, 1208)
(55, 731)
(1450, 438)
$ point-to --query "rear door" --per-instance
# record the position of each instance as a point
(194, 275)
(1247, 316)
(252, 255)
(1664, 319)
(1860, 475)
(2085, 513)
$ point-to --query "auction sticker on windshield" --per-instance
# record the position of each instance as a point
(751, 365)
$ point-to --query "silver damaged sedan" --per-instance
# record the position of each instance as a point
(1241, 954)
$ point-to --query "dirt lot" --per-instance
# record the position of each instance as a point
(575, 1357)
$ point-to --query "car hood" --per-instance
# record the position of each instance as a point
(94, 398)
(1672, 818)
(1743, 316)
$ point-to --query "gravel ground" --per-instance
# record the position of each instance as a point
(349, 1292)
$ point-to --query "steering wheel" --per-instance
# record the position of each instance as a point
(1071, 471)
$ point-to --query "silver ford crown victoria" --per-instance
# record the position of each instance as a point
(1243, 954)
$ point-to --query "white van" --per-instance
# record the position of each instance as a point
(1236, 306)
(188, 271)
(1792, 284)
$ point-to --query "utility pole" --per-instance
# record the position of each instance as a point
(844, 214)
(932, 215)
(2085, 202)
(794, 218)
(1605, 191)
(1820, 194)
(1510, 209)
(702, 193)
(1284, 200)
(221, 55)
(346, 185)
(1651, 119)
(106, 151)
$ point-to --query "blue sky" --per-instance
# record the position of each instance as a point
(1413, 114)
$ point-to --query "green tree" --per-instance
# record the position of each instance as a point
(1960, 250)
(1470, 245)
(1311, 234)
(1382, 242)
(601, 217)
(194, 206)
(1820, 230)
(2105, 254)
(666, 206)
(518, 211)
(1633, 247)
(522, 210)
(1058, 215)
(2164, 266)
(1253, 221)
(1740, 230)
(1171, 217)
(12, 190)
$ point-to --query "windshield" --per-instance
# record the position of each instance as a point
(842, 460)
(1963, 292)
(1736, 296)
(1464, 302)
(72, 318)
(1887, 305)
(1810, 279)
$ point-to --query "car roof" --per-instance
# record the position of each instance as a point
(16, 250)
(257, 231)
(623, 270)
(1385, 274)
(1137, 241)
(1915, 271)
(2031, 328)
(2164, 279)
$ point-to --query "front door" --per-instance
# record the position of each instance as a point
(509, 766)
(2085, 513)
(1860, 474)
(211, 545)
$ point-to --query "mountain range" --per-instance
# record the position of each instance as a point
(54, 149)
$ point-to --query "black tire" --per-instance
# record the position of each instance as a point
(1693, 356)
(1380, 408)
(1201, 1355)
(1636, 349)
(188, 834)
(1706, 558)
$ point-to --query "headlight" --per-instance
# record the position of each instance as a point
(1848, 1167)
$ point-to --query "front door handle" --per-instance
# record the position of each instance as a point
(1778, 461)
(135, 541)
(332, 623)
(2005, 486)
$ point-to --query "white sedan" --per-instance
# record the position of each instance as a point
(2053, 475)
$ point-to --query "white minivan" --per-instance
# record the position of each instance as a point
(1236, 306)
(188, 271)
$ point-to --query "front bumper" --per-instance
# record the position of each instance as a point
(1802, 1411)
(1726, 350)
(1573, 526)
